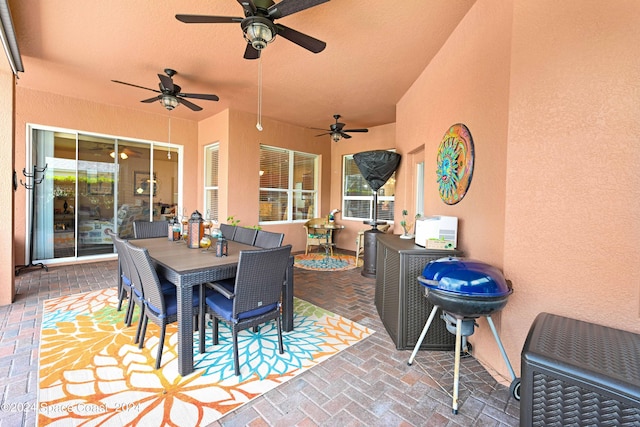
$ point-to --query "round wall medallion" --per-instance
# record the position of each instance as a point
(455, 164)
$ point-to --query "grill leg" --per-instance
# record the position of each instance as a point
(504, 353)
(456, 368)
(423, 334)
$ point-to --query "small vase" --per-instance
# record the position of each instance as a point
(406, 234)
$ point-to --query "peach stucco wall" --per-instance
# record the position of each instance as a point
(239, 164)
(7, 91)
(573, 189)
(467, 82)
(550, 94)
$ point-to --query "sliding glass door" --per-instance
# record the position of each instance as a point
(93, 184)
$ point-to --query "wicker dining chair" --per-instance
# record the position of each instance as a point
(245, 235)
(125, 284)
(268, 239)
(255, 299)
(147, 229)
(228, 231)
(161, 301)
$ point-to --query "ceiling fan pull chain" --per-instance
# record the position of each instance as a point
(259, 124)
(169, 152)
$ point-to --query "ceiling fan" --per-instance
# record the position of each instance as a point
(258, 26)
(99, 149)
(170, 95)
(337, 130)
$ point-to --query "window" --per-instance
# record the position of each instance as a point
(288, 185)
(357, 197)
(211, 181)
(420, 188)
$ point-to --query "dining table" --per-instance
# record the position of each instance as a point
(186, 267)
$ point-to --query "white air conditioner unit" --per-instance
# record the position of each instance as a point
(436, 227)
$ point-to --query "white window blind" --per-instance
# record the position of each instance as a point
(288, 185)
(211, 181)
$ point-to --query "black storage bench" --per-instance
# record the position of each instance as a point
(576, 373)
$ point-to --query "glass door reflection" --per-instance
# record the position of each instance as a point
(97, 166)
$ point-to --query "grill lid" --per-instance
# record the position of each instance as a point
(464, 277)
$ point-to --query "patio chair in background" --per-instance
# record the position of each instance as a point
(267, 239)
(148, 229)
(245, 235)
(255, 298)
(228, 231)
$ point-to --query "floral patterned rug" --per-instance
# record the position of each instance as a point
(92, 373)
(322, 262)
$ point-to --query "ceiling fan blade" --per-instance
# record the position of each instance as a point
(199, 96)
(206, 19)
(356, 130)
(166, 82)
(345, 135)
(288, 7)
(130, 84)
(189, 104)
(251, 53)
(131, 153)
(326, 133)
(248, 6)
(150, 100)
(303, 40)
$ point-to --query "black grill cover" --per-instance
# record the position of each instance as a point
(377, 166)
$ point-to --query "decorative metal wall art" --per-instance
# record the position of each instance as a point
(455, 164)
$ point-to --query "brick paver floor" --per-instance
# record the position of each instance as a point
(369, 384)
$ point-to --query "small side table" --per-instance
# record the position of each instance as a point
(328, 245)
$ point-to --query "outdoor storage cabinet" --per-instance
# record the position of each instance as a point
(401, 300)
(576, 373)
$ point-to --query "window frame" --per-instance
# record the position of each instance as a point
(291, 191)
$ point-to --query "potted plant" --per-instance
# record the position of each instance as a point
(406, 227)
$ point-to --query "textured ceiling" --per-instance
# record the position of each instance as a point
(375, 50)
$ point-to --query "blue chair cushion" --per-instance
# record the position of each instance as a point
(228, 284)
(171, 301)
(166, 285)
(224, 307)
(126, 281)
(318, 236)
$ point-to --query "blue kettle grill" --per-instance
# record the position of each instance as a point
(465, 289)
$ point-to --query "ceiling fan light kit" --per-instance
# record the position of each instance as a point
(258, 31)
(169, 102)
(123, 155)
